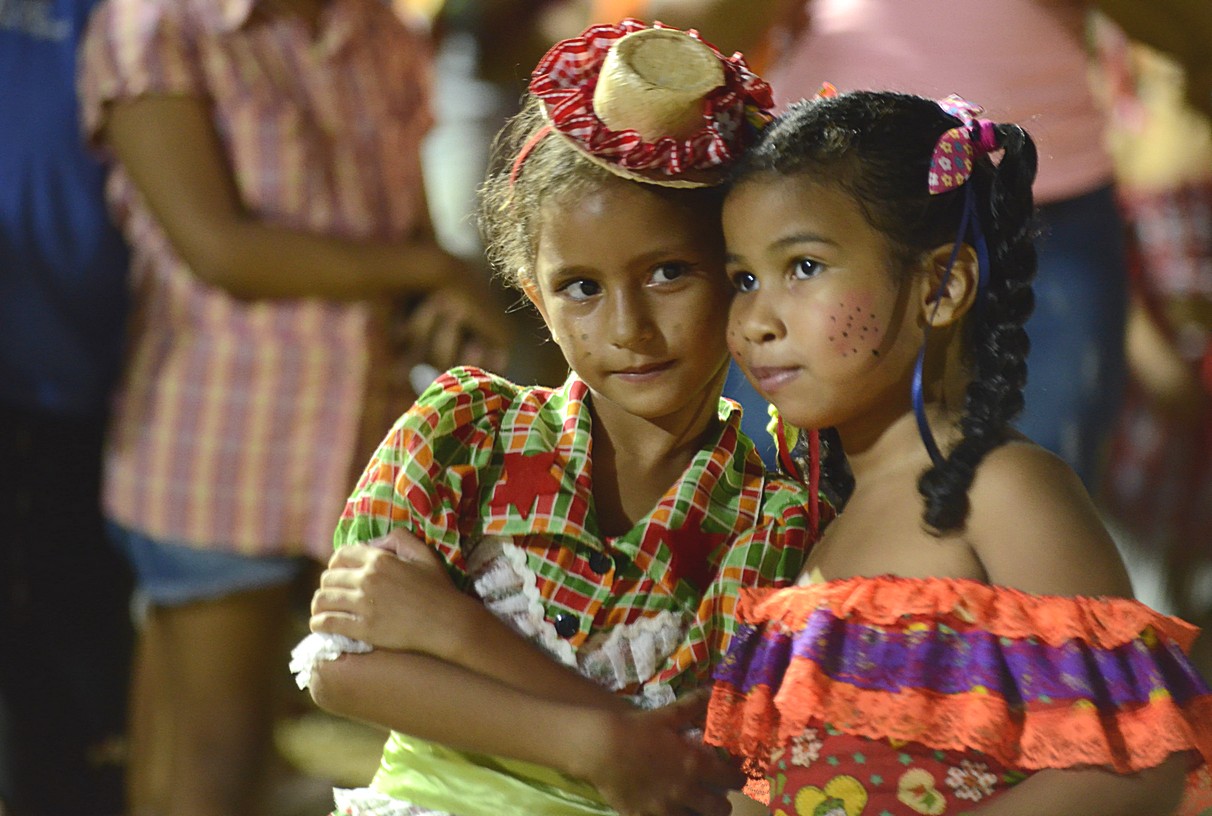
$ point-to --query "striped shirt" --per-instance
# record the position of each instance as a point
(239, 422)
(498, 480)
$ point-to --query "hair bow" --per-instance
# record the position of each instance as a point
(959, 147)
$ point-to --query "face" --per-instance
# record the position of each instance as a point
(633, 290)
(823, 324)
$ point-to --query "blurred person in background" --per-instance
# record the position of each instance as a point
(483, 53)
(1159, 483)
(65, 633)
(267, 176)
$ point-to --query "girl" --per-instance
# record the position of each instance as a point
(963, 635)
(609, 522)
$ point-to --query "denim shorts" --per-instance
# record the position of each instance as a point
(171, 574)
(1076, 368)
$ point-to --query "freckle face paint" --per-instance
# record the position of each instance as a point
(853, 327)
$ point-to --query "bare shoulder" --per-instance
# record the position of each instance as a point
(1034, 527)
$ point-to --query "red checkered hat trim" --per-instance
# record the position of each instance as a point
(565, 79)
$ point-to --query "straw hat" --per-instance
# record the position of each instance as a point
(655, 82)
(653, 104)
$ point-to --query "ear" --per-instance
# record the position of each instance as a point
(530, 288)
(944, 304)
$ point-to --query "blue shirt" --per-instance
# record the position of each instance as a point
(62, 263)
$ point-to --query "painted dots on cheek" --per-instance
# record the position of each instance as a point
(856, 329)
(734, 346)
(871, 334)
(841, 319)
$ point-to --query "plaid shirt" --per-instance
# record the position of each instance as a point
(479, 459)
(238, 423)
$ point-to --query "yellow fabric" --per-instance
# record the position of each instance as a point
(439, 778)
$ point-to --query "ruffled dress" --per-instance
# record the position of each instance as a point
(896, 696)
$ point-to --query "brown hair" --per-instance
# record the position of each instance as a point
(554, 170)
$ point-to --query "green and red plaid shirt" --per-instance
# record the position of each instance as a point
(478, 459)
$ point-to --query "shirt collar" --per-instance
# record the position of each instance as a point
(545, 486)
(719, 496)
(547, 451)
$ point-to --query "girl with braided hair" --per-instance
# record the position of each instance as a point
(963, 636)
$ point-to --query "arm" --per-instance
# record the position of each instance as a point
(1090, 792)
(1156, 365)
(169, 147)
(639, 761)
(742, 805)
(1034, 528)
(406, 602)
(1058, 546)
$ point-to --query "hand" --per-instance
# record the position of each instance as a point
(389, 593)
(645, 764)
(463, 323)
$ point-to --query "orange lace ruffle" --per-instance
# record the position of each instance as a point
(1061, 737)
(888, 600)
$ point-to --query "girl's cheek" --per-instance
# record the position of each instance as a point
(735, 346)
(852, 326)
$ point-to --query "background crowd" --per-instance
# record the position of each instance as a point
(236, 234)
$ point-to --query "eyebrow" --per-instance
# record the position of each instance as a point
(786, 241)
(671, 253)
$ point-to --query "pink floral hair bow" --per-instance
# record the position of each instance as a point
(959, 147)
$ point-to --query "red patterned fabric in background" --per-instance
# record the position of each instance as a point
(239, 423)
(1159, 482)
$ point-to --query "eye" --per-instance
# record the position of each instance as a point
(744, 281)
(580, 289)
(669, 272)
(805, 268)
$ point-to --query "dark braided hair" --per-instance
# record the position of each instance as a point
(877, 147)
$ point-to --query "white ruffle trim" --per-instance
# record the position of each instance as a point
(509, 590)
(631, 653)
(367, 802)
(320, 646)
(627, 655)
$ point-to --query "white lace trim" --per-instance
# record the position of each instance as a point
(317, 647)
(631, 653)
(509, 589)
(367, 802)
(654, 695)
(626, 655)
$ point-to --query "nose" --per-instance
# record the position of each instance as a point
(755, 316)
(632, 324)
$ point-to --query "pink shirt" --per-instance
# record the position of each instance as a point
(239, 422)
(1024, 61)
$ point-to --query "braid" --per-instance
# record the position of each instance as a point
(995, 334)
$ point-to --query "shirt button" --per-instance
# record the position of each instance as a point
(600, 562)
(566, 625)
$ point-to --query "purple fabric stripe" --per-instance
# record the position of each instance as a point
(950, 662)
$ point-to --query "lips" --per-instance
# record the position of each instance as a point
(646, 371)
(771, 378)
